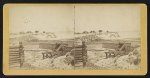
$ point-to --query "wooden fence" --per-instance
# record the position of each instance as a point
(16, 56)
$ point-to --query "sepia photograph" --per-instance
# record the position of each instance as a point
(75, 37)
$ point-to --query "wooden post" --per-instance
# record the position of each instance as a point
(106, 54)
(84, 54)
(43, 55)
(21, 54)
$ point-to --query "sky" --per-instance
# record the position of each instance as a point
(42, 18)
(113, 18)
(61, 18)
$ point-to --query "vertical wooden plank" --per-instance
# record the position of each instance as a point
(21, 54)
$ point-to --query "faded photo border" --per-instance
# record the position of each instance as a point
(143, 24)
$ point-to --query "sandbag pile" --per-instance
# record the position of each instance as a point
(52, 63)
(93, 57)
(43, 64)
(106, 63)
(123, 62)
(130, 61)
(61, 63)
(97, 58)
